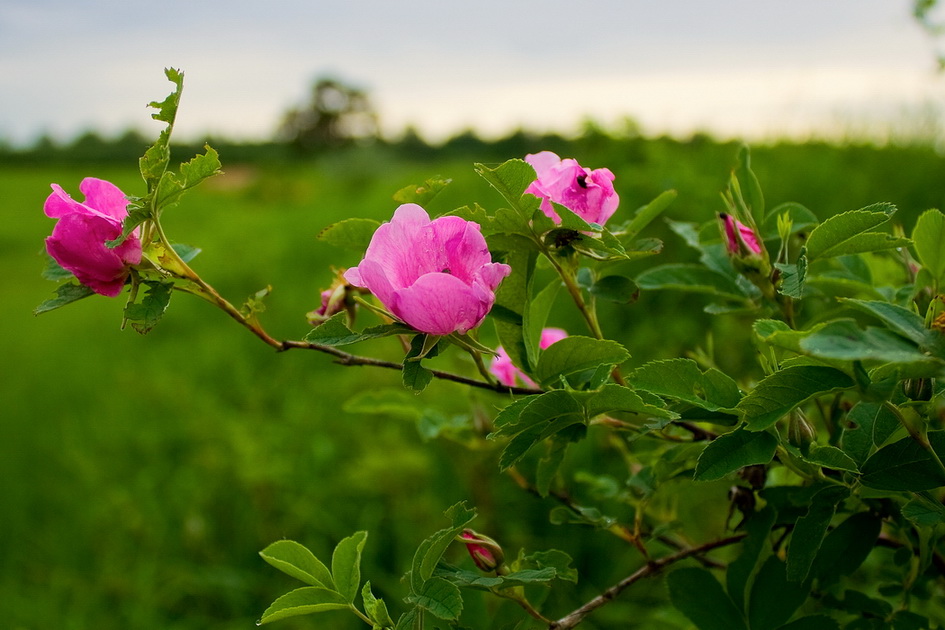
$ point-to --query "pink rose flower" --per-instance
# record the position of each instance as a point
(737, 235)
(503, 369)
(78, 240)
(436, 276)
(587, 193)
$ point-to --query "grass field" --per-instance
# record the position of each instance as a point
(140, 476)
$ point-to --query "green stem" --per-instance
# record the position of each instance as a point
(362, 616)
(589, 313)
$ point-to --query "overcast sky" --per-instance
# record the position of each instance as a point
(734, 67)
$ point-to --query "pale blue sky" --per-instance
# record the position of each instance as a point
(736, 67)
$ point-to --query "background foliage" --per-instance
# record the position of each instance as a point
(140, 477)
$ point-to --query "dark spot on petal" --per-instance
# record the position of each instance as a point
(446, 270)
(582, 181)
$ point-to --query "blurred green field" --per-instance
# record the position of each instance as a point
(140, 476)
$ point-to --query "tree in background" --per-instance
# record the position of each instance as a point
(336, 115)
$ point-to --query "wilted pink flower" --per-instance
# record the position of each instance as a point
(334, 299)
(737, 235)
(78, 240)
(485, 552)
(587, 193)
(437, 276)
(506, 372)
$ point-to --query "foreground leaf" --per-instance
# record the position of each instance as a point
(698, 595)
(735, 450)
(779, 393)
(303, 601)
(297, 561)
(65, 294)
(346, 565)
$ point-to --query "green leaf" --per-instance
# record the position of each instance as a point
(688, 277)
(779, 393)
(697, 594)
(415, 376)
(553, 559)
(924, 512)
(576, 354)
(846, 547)
(831, 457)
(848, 233)
(731, 451)
(410, 620)
(542, 417)
(146, 314)
(186, 252)
(346, 565)
(748, 184)
(167, 109)
(354, 234)
(810, 530)
(898, 319)
(172, 185)
(375, 608)
(773, 598)
(65, 294)
(793, 277)
(682, 379)
(618, 289)
(645, 215)
(421, 194)
(613, 397)
(441, 598)
(335, 332)
(303, 601)
(534, 318)
(812, 622)
(297, 561)
(430, 551)
(513, 296)
(740, 571)
(801, 219)
(906, 465)
(928, 236)
(510, 179)
(54, 272)
(875, 419)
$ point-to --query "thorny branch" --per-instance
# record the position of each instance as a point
(572, 619)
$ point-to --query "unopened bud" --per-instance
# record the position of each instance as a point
(800, 433)
(485, 552)
(918, 389)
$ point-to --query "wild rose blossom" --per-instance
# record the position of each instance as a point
(506, 372)
(739, 238)
(436, 276)
(78, 240)
(585, 192)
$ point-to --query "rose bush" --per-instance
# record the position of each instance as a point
(436, 276)
(78, 240)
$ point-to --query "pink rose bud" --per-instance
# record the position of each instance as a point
(739, 238)
(587, 193)
(485, 552)
(506, 373)
(436, 276)
(78, 240)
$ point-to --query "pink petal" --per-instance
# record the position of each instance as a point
(439, 304)
(542, 161)
(105, 197)
(77, 243)
(550, 336)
